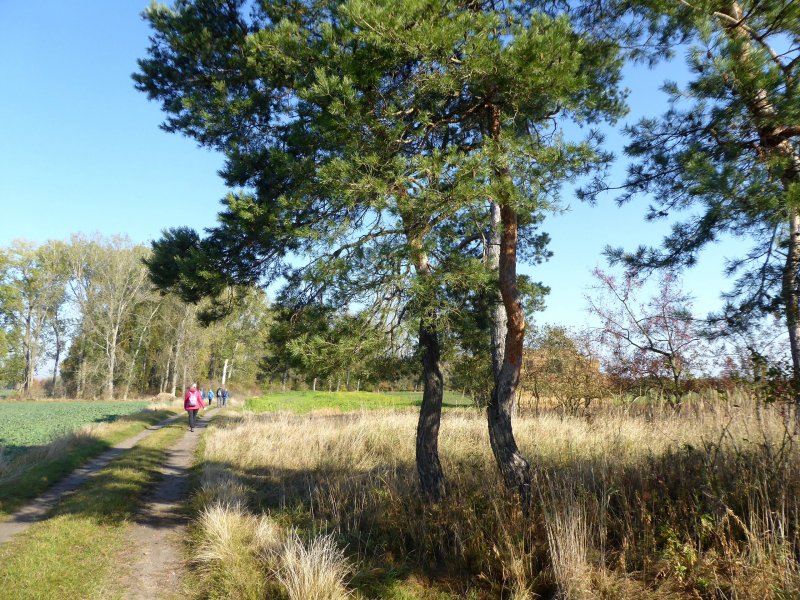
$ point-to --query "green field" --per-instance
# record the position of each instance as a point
(27, 424)
(304, 402)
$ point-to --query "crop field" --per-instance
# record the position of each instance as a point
(27, 424)
(307, 401)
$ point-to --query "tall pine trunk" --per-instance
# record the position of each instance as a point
(499, 319)
(515, 470)
(776, 144)
(429, 467)
(792, 301)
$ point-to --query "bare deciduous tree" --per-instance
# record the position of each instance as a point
(657, 340)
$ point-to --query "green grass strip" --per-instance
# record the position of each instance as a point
(76, 552)
(36, 478)
(306, 401)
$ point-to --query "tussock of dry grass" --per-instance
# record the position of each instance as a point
(569, 537)
(236, 548)
(313, 571)
(700, 504)
(247, 556)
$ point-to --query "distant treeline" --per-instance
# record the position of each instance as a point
(88, 307)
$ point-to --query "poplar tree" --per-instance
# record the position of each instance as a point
(34, 280)
(371, 137)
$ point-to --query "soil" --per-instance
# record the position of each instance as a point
(154, 556)
(157, 561)
(37, 509)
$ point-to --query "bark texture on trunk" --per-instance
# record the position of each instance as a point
(792, 302)
(431, 475)
(429, 468)
(773, 142)
(81, 374)
(499, 319)
(57, 357)
(515, 470)
(31, 357)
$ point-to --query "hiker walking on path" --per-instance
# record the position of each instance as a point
(219, 396)
(225, 397)
(192, 402)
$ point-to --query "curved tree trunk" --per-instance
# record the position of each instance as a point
(431, 475)
(516, 471)
(514, 468)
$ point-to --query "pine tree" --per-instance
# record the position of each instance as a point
(370, 136)
(727, 152)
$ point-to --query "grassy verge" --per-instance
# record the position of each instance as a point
(698, 505)
(306, 401)
(74, 553)
(30, 474)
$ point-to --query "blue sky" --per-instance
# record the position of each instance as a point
(81, 151)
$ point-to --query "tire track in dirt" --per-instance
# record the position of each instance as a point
(38, 508)
(155, 556)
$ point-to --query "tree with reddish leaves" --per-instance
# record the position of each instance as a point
(656, 341)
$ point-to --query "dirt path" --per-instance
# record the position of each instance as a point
(155, 563)
(37, 509)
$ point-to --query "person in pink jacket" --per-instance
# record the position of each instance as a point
(192, 402)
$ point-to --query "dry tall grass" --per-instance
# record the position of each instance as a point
(700, 504)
